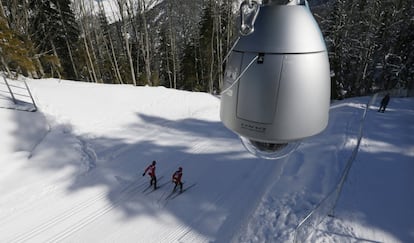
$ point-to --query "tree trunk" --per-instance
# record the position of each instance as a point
(95, 79)
(168, 70)
(57, 56)
(118, 74)
(147, 58)
(95, 54)
(173, 49)
(125, 35)
(219, 52)
(72, 60)
(212, 59)
(91, 68)
(39, 65)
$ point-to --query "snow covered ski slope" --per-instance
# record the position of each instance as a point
(72, 172)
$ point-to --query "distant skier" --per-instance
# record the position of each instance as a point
(151, 172)
(384, 103)
(176, 178)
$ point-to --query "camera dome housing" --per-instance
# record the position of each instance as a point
(284, 95)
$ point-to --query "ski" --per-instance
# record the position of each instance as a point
(181, 192)
(175, 194)
(169, 195)
(148, 187)
(153, 190)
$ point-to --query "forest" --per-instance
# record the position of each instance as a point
(181, 44)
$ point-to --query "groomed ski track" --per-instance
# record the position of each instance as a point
(72, 172)
(75, 216)
(99, 196)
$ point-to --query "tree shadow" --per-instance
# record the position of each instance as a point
(206, 150)
(210, 154)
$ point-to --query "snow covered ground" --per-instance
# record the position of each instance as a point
(72, 172)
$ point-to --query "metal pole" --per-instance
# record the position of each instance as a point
(11, 93)
(30, 93)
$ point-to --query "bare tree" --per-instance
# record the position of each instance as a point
(173, 46)
(104, 35)
(86, 39)
(146, 49)
(126, 35)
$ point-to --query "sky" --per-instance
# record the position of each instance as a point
(72, 170)
(112, 9)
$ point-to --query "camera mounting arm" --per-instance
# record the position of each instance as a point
(249, 9)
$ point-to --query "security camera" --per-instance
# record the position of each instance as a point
(276, 88)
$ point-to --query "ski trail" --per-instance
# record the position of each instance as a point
(99, 211)
(180, 231)
(186, 231)
(176, 193)
(133, 197)
(82, 207)
(230, 223)
(91, 217)
(75, 210)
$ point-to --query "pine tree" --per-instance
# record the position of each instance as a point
(190, 68)
(206, 44)
(55, 33)
(68, 39)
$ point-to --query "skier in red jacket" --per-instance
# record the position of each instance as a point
(151, 172)
(176, 178)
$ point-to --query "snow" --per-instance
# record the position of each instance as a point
(72, 171)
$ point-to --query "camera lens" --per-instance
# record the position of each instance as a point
(269, 150)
